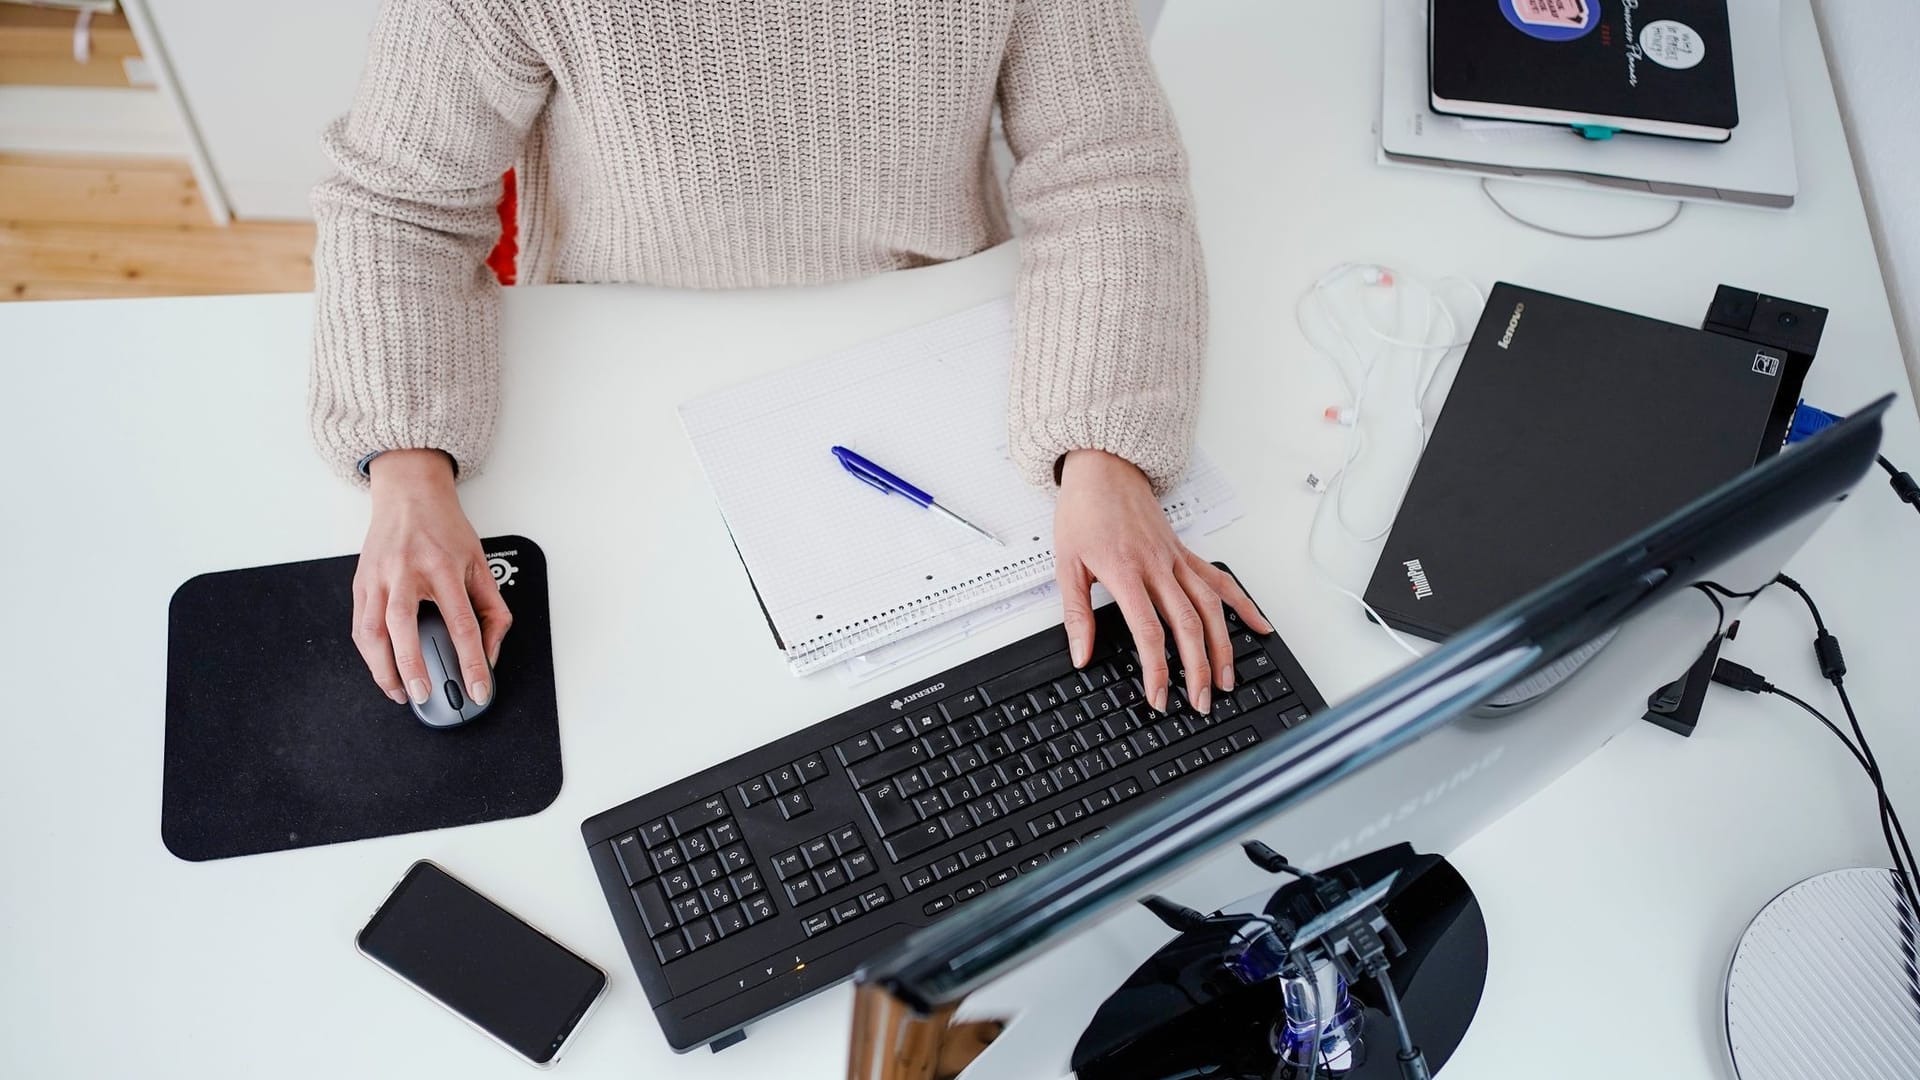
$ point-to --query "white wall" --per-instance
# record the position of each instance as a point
(1870, 51)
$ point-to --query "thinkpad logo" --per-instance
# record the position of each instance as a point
(1766, 365)
(1417, 579)
(902, 702)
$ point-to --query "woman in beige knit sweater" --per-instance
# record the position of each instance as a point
(736, 143)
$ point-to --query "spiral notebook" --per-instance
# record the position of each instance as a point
(841, 568)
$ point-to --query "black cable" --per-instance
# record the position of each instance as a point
(1903, 484)
(1413, 1064)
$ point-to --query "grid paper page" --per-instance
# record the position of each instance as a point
(842, 567)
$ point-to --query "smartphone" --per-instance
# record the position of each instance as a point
(482, 963)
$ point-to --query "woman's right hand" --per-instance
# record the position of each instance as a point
(421, 547)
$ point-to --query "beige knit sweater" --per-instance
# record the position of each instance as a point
(757, 142)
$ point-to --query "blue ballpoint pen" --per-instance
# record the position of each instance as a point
(880, 478)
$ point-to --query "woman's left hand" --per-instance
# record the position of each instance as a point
(1108, 527)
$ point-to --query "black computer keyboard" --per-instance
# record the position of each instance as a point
(764, 879)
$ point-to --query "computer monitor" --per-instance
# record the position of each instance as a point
(1428, 756)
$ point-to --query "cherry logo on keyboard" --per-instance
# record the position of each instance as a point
(902, 702)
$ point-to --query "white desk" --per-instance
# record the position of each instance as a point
(147, 441)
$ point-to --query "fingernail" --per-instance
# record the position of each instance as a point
(1077, 649)
(477, 690)
(418, 688)
(399, 697)
(1226, 676)
(1203, 702)
(1160, 700)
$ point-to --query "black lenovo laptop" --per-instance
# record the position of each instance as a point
(755, 883)
(1569, 427)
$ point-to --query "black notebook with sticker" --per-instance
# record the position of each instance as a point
(277, 737)
(1652, 67)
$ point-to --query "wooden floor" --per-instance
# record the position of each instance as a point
(74, 228)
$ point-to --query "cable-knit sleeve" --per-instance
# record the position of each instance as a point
(1110, 308)
(406, 351)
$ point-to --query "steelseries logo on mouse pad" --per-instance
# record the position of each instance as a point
(500, 568)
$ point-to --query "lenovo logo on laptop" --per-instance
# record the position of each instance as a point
(1417, 579)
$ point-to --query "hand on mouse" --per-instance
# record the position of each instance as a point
(420, 546)
(1108, 527)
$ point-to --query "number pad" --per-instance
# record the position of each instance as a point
(708, 887)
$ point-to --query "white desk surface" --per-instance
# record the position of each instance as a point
(147, 441)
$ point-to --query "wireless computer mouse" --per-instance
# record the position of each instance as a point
(448, 706)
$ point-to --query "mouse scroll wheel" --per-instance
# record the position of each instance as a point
(453, 695)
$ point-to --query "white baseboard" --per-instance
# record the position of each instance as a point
(88, 120)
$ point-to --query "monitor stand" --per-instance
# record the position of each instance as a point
(1185, 1012)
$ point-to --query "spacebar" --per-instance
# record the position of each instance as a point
(1026, 678)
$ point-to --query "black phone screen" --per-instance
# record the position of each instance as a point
(481, 961)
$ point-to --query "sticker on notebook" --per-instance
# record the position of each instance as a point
(1552, 20)
(1672, 44)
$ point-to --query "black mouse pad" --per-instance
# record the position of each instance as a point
(277, 737)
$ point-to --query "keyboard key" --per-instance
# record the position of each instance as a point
(938, 772)
(847, 910)
(794, 803)
(911, 783)
(949, 866)
(812, 767)
(1045, 699)
(1146, 741)
(875, 897)
(1014, 797)
(817, 851)
(1248, 697)
(1253, 666)
(1294, 716)
(1093, 834)
(915, 880)
(746, 882)
(705, 870)
(788, 863)
(631, 854)
(1164, 774)
(754, 791)
(1125, 789)
(1275, 687)
(817, 923)
(1099, 801)
(1001, 878)
(1063, 848)
(716, 895)
(929, 804)
(670, 948)
(1193, 759)
(858, 864)
(893, 733)
(1090, 765)
(967, 892)
(1243, 738)
(677, 881)
(1070, 813)
(887, 762)
(784, 778)
(1219, 749)
(1041, 788)
(1005, 842)
(967, 758)
(656, 833)
(957, 823)
(1044, 825)
(697, 816)
(655, 912)
(924, 721)
(695, 845)
(937, 905)
(727, 832)
(1224, 708)
(1244, 642)
(888, 808)
(688, 908)
(729, 920)
(939, 742)
(962, 704)
(858, 748)
(988, 780)
(800, 890)
(1022, 679)
(700, 934)
(968, 730)
(845, 839)
(735, 858)
(666, 858)
(1066, 776)
(759, 908)
(1033, 862)
(1118, 754)
(913, 841)
(974, 855)
(1048, 725)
